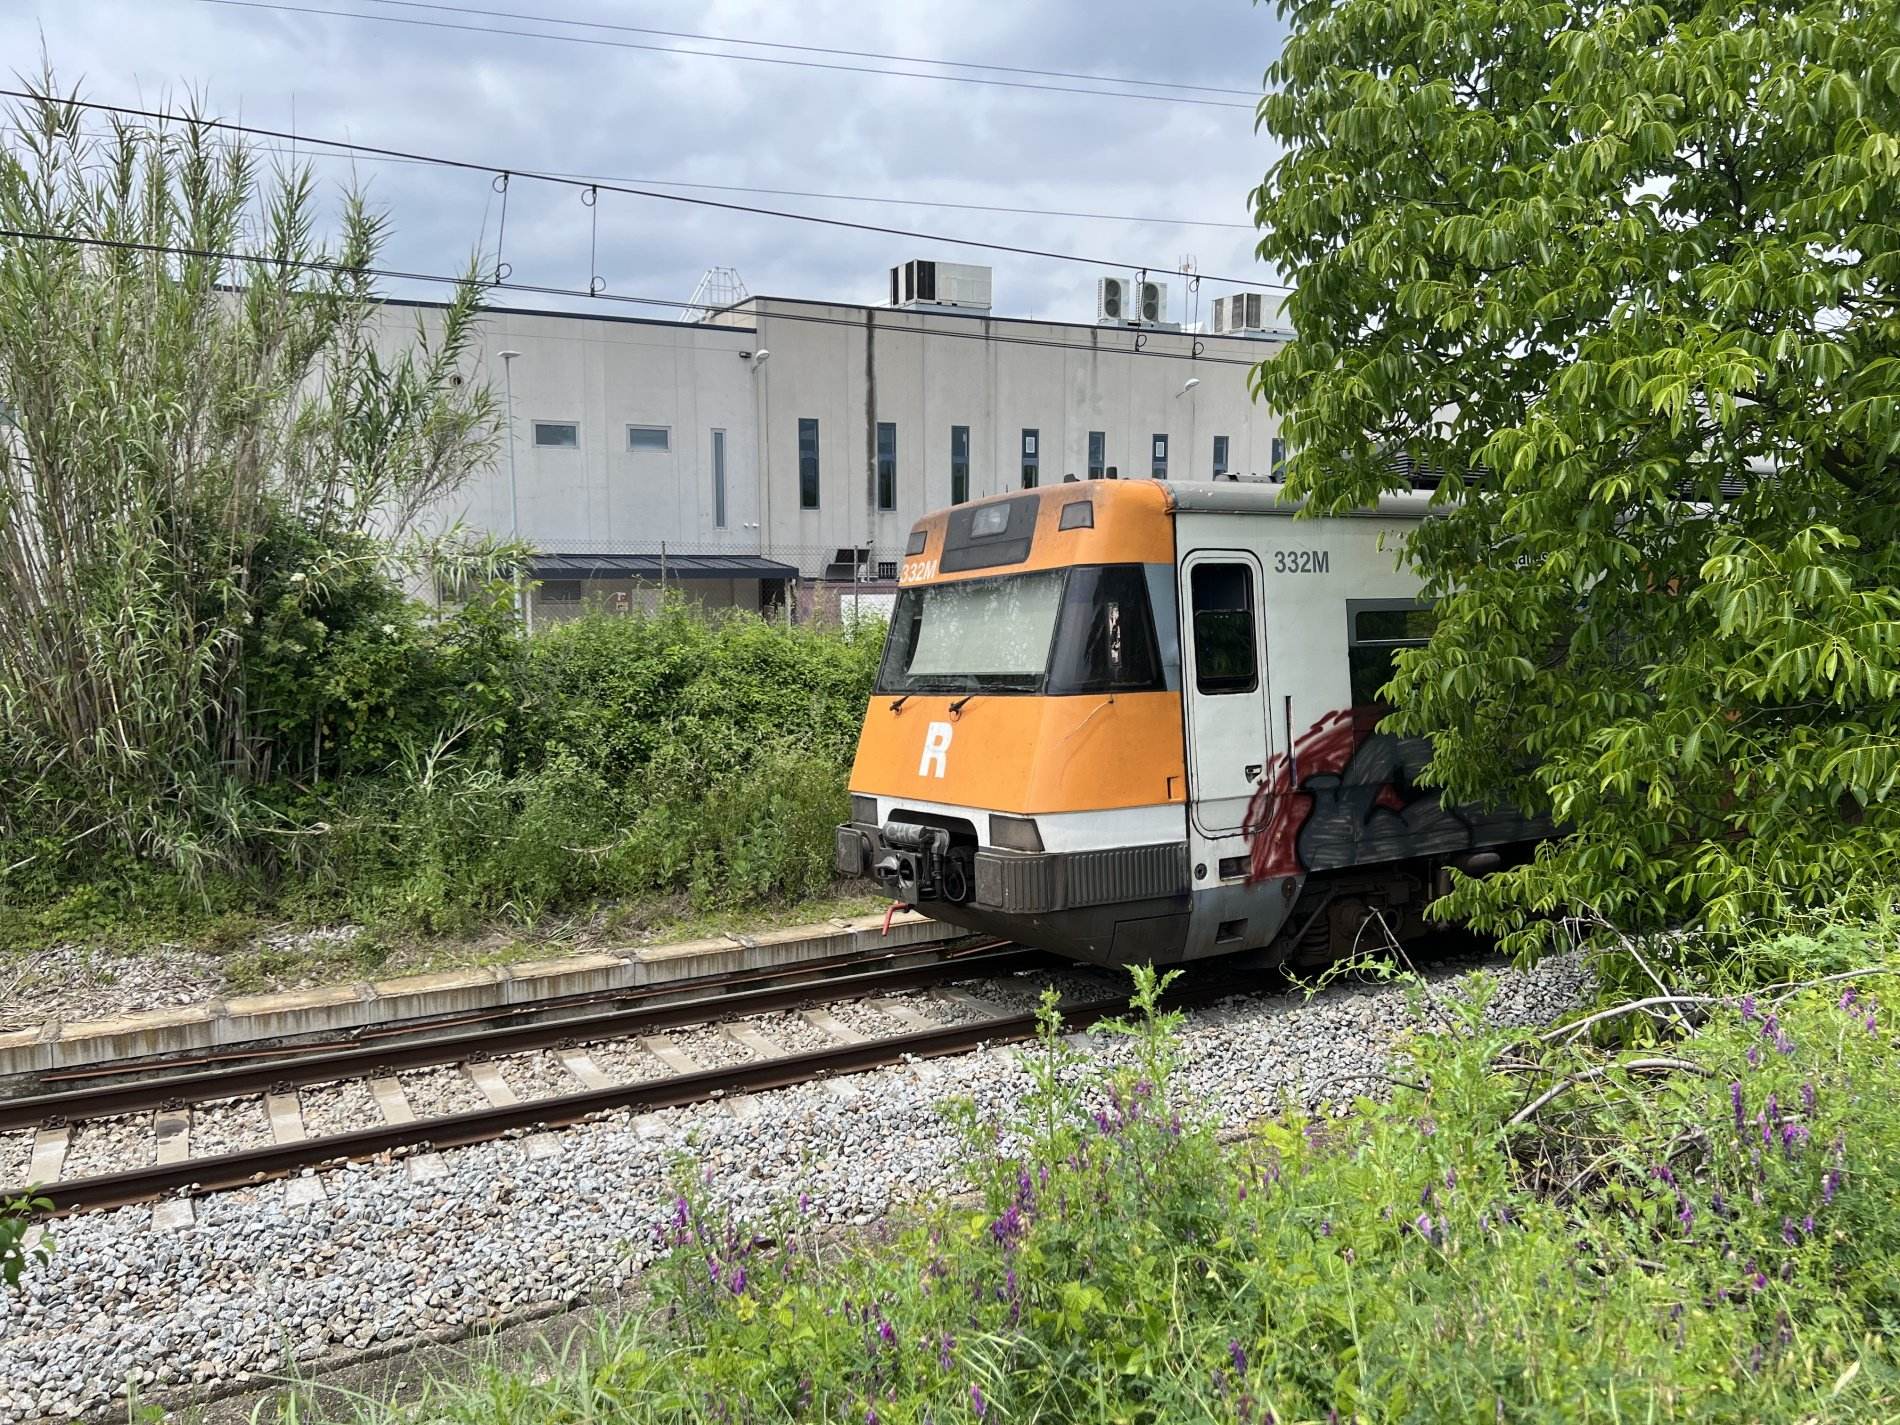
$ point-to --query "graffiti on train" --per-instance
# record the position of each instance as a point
(1351, 795)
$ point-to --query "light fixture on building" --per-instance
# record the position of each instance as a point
(761, 356)
(1189, 385)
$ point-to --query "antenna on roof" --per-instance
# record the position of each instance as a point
(720, 288)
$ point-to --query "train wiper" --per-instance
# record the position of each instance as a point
(897, 704)
(958, 705)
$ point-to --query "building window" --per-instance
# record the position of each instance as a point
(807, 463)
(1224, 660)
(559, 591)
(719, 478)
(959, 464)
(1220, 456)
(1279, 458)
(1098, 454)
(887, 569)
(887, 465)
(559, 435)
(649, 438)
(1032, 461)
(1160, 470)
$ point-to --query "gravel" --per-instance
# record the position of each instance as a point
(626, 1061)
(338, 1108)
(856, 1014)
(253, 1287)
(537, 1075)
(710, 1048)
(68, 982)
(16, 1153)
(110, 1145)
(1018, 994)
(229, 1126)
(793, 1032)
(436, 1093)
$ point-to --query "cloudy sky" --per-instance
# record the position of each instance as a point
(450, 80)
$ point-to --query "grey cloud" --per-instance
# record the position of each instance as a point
(588, 108)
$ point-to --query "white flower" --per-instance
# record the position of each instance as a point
(389, 630)
(297, 578)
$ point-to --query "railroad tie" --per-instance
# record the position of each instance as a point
(581, 1066)
(896, 1009)
(393, 1104)
(286, 1126)
(745, 1107)
(172, 1129)
(49, 1155)
(500, 1094)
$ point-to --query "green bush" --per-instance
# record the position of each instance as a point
(1712, 1240)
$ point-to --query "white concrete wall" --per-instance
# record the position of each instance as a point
(849, 367)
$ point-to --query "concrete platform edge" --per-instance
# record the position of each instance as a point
(338, 1009)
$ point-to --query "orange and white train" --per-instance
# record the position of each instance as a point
(1136, 721)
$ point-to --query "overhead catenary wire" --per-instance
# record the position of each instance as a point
(595, 178)
(497, 171)
(599, 40)
(313, 264)
(813, 49)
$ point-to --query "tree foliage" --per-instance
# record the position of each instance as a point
(1626, 273)
(192, 387)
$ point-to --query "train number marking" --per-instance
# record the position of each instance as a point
(1301, 561)
(936, 750)
(918, 570)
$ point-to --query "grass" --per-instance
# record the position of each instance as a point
(1709, 1238)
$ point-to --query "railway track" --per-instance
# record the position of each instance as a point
(736, 1027)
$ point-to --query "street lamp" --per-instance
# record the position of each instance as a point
(514, 487)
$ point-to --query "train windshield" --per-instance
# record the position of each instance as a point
(1078, 630)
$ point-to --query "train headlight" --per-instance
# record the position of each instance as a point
(1015, 833)
(864, 810)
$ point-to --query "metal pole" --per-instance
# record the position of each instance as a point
(514, 486)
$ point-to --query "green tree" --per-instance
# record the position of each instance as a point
(1627, 274)
(193, 393)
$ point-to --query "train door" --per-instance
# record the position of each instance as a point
(1224, 686)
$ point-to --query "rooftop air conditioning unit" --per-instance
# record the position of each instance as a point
(1153, 297)
(1218, 325)
(923, 283)
(1244, 313)
(1112, 300)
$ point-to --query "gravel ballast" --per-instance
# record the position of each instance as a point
(254, 1287)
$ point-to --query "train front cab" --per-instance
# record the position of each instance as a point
(1130, 721)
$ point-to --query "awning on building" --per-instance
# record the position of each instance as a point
(650, 566)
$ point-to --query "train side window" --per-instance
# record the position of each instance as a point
(1376, 629)
(1225, 659)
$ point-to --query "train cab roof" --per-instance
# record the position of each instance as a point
(1097, 522)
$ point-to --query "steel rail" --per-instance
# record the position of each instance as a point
(253, 1165)
(378, 1060)
(708, 987)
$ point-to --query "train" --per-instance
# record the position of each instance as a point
(1138, 722)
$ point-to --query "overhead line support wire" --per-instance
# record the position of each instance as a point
(397, 275)
(716, 54)
(473, 167)
(812, 49)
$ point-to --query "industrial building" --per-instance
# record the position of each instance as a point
(776, 451)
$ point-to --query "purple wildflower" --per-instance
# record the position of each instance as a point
(1753, 1056)
(1685, 1213)
(1759, 1280)
(1787, 1231)
(1238, 1357)
(944, 1348)
(1243, 1192)
(1754, 1360)
(1807, 1098)
(1807, 1224)
(1424, 1225)
(737, 1284)
(1735, 1098)
(1783, 1044)
(1870, 1021)
(885, 1333)
(1748, 1008)
(1847, 997)
(1326, 1227)
(1718, 1204)
(870, 1415)
(1451, 1178)
(977, 1403)
(804, 1202)
(1661, 1173)
(1830, 1184)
